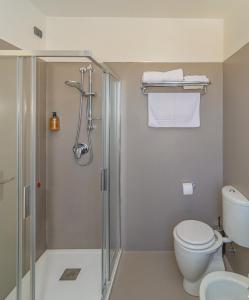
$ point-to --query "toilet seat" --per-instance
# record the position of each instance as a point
(194, 235)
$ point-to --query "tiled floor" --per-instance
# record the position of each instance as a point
(148, 275)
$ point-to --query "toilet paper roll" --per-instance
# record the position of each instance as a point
(188, 188)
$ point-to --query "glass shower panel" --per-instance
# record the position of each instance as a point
(110, 178)
(114, 172)
(8, 176)
(104, 184)
(25, 177)
(15, 178)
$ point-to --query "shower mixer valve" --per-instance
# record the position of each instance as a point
(80, 150)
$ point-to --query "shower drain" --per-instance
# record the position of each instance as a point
(70, 274)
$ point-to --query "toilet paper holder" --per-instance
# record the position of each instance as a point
(186, 181)
(189, 190)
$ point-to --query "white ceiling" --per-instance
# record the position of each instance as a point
(139, 8)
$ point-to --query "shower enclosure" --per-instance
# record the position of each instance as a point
(33, 264)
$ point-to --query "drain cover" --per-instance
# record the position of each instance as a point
(70, 274)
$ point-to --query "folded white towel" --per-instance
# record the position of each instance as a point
(196, 78)
(158, 77)
(174, 109)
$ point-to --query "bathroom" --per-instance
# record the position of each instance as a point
(116, 235)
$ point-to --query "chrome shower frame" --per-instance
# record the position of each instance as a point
(33, 55)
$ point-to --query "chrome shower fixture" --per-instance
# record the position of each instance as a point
(74, 84)
(80, 149)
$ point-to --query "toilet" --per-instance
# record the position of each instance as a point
(198, 248)
(198, 251)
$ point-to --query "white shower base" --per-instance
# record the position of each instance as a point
(49, 269)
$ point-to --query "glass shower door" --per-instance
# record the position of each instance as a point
(114, 172)
(110, 178)
(8, 176)
(16, 116)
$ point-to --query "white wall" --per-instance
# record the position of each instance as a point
(17, 18)
(139, 39)
(236, 30)
(127, 39)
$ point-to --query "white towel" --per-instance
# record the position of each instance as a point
(157, 77)
(174, 109)
(196, 78)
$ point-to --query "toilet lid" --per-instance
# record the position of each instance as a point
(195, 232)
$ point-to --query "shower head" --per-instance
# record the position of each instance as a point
(74, 84)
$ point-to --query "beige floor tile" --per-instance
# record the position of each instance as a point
(148, 275)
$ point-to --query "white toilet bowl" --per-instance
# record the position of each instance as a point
(198, 252)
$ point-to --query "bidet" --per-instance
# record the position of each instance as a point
(224, 285)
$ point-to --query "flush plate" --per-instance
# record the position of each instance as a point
(70, 274)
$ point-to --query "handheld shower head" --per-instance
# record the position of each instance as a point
(74, 84)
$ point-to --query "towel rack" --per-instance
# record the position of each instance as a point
(198, 86)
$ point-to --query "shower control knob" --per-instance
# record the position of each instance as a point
(80, 150)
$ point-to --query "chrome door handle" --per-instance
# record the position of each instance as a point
(7, 180)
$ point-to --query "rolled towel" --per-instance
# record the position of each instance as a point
(196, 78)
(158, 77)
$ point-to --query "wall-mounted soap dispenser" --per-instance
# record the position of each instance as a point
(54, 122)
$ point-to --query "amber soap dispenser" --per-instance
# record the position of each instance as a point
(54, 122)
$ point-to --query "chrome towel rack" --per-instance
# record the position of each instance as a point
(195, 86)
